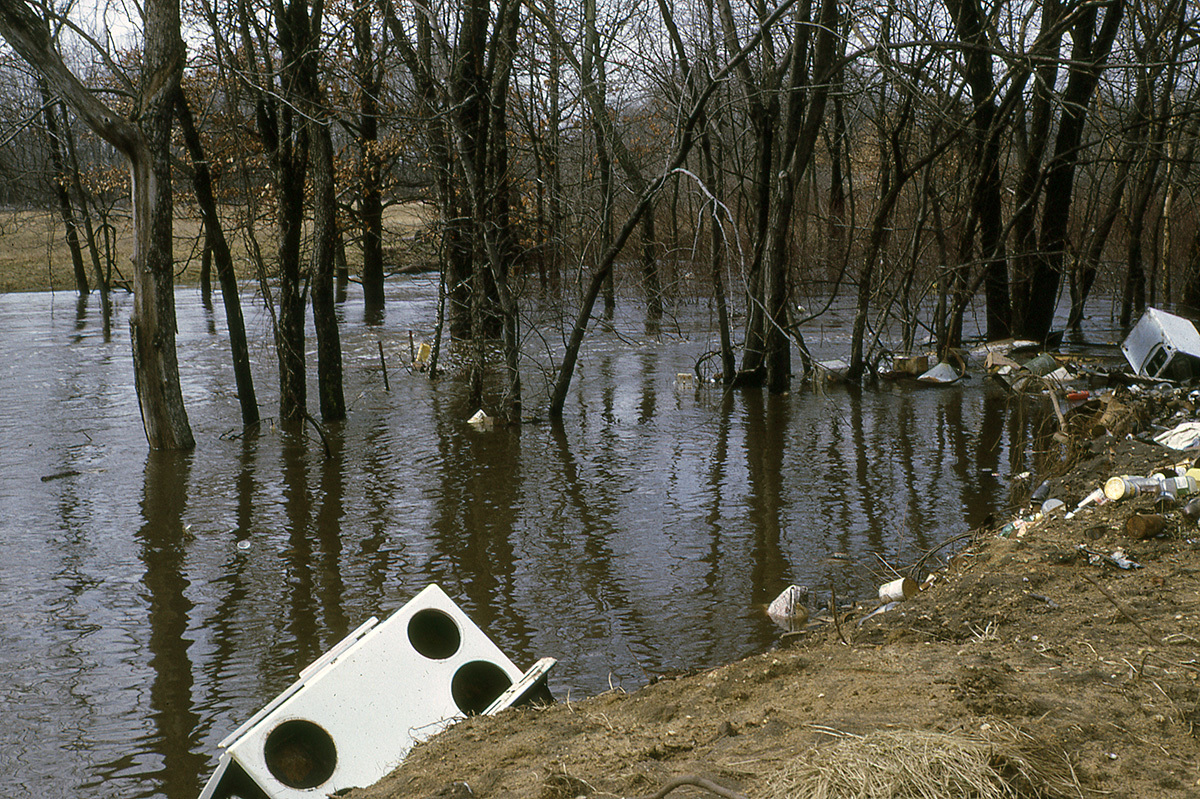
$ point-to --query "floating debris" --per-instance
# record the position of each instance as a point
(833, 370)
(942, 374)
(481, 421)
(421, 359)
(789, 610)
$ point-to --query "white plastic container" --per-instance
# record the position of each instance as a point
(898, 590)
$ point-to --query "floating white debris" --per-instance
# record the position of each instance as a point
(833, 370)
(481, 421)
(941, 374)
(790, 609)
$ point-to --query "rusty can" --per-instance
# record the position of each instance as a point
(1144, 525)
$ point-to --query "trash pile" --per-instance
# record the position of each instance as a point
(1155, 403)
(1164, 353)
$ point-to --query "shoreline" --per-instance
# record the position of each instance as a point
(1036, 646)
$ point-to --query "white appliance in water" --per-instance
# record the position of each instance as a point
(354, 713)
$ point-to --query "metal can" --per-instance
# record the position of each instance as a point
(1128, 486)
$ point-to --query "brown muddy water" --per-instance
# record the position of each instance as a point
(150, 603)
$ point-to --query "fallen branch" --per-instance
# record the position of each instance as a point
(1124, 612)
(321, 432)
(698, 782)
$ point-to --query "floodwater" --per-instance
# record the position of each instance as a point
(150, 603)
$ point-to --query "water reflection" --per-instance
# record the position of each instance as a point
(475, 505)
(150, 604)
(766, 417)
(164, 539)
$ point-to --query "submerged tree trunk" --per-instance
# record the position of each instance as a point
(216, 246)
(152, 322)
(329, 347)
(369, 76)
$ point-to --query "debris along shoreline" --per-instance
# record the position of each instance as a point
(1035, 664)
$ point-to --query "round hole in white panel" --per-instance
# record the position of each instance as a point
(477, 684)
(300, 754)
(434, 634)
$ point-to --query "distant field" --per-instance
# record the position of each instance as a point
(34, 254)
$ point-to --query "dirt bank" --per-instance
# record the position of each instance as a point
(1077, 677)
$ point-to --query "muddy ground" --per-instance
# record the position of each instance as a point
(1030, 643)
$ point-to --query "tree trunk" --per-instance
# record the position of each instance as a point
(217, 247)
(329, 347)
(1089, 54)
(58, 182)
(152, 322)
(1035, 140)
(969, 22)
(99, 276)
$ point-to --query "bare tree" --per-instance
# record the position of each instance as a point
(146, 145)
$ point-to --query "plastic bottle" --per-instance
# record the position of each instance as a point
(1178, 487)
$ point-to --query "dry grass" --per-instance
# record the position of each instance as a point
(897, 764)
(34, 254)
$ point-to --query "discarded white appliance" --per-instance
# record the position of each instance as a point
(356, 711)
(1163, 345)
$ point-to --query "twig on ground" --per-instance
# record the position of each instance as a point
(1124, 612)
(833, 611)
(698, 782)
